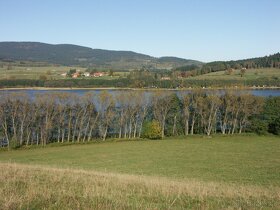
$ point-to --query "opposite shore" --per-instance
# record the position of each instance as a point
(150, 89)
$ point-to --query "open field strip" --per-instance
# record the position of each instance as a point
(51, 72)
(18, 72)
(41, 187)
(232, 159)
(250, 74)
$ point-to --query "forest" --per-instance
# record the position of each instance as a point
(66, 117)
(272, 61)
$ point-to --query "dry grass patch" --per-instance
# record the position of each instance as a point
(38, 187)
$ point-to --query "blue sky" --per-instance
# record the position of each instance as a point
(205, 30)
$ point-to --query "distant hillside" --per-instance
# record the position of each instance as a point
(271, 61)
(67, 54)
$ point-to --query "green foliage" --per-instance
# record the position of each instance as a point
(22, 83)
(259, 126)
(272, 61)
(271, 114)
(72, 71)
(271, 109)
(268, 121)
(173, 125)
(188, 68)
(262, 62)
(134, 83)
(13, 143)
(43, 77)
(242, 72)
(151, 130)
(111, 72)
(274, 126)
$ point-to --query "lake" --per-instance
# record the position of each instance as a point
(32, 92)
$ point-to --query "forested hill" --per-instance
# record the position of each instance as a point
(66, 54)
(272, 61)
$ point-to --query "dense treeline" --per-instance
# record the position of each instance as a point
(122, 82)
(272, 61)
(64, 117)
(22, 83)
(139, 82)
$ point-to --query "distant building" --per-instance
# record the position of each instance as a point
(86, 74)
(98, 74)
(76, 75)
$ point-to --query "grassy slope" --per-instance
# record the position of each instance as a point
(51, 72)
(35, 187)
(246, 159)
(250, 74)
(32, 72)
(55, 73)
(218, 173)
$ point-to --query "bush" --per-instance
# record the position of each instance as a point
(14, 143)
(43, 77)
(259, 126)
(151, 130)
(274, 126)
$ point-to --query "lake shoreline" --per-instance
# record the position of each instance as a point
(137, 89)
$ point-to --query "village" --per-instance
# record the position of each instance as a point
(73, 73)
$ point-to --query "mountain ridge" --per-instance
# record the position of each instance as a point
(70, 54)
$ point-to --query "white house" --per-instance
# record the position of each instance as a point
(86, 74)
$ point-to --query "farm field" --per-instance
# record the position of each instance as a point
(251, 74)
(18, 72)
(49, 72)
(194, 172)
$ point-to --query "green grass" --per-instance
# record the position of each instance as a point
(18, 72)
(37, 187)
(54, 72)
(251, 74)
(51, 72)
(234, 172)
(238, 159)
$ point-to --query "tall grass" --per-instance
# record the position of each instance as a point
(41, 187)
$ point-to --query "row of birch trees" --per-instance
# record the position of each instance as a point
(67, 117)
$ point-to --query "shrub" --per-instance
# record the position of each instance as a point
(151, 130)
(274, 126)
(259, 126)
(14, 143)
(43, 77)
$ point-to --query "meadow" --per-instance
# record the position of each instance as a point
(250, 74)
(222, 172)
(49, 72)
(33, 72)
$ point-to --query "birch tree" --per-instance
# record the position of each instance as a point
(106, 112)
(161, 105)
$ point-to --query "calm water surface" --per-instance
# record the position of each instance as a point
(260, 92)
